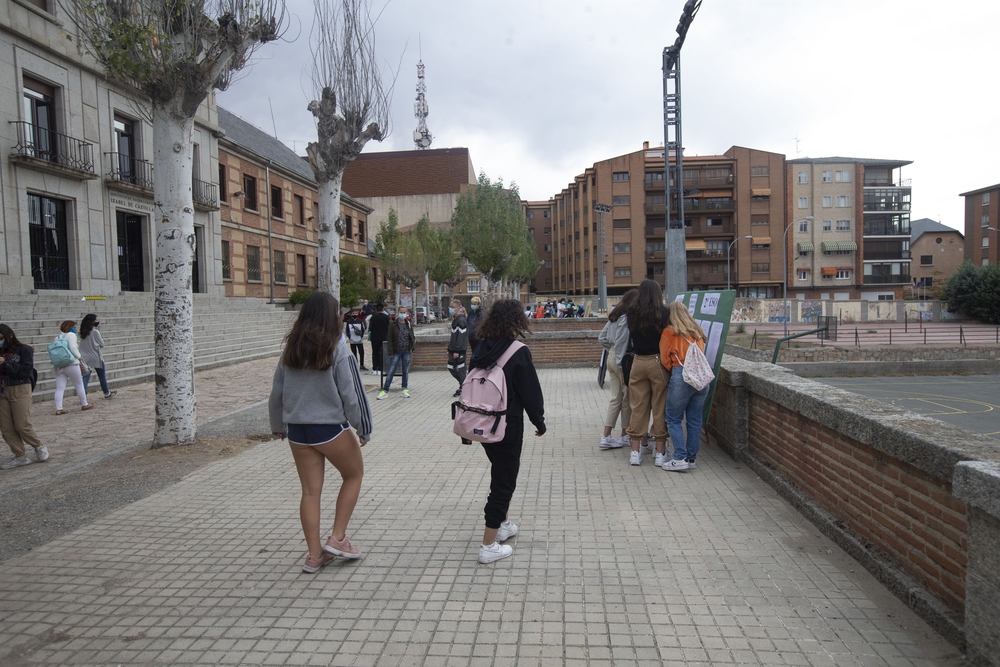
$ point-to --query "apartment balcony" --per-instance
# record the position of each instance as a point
(657, 232)
(890, 255)
(897, 225)
(706, 254)
(205, 195)
(886, 199)
(129, 173)
(53, 152)
(888, 279)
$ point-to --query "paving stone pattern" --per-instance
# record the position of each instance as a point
(614, 565)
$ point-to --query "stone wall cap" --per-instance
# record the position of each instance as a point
(977, 483)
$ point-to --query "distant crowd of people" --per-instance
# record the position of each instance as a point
(561, 308)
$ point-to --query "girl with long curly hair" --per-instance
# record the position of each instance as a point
(647, 387)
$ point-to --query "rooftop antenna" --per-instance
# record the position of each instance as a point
(421, 136)
(797, 151)
(273, 126)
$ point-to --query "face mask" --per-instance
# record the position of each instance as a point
(401, 317)
(475, 307)
(3, 343)
(73, 330)
(451, 311)
(97, 324)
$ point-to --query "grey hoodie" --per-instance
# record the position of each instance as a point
(614, 337)
(333, 396)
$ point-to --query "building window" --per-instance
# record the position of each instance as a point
(759, 221)
(843, 201)
(713, 222)
(827, 225)
(986, 261)
(760, 267)
(927, 260)
(300, 209)
(759, 246)
(300, 269)
(621, 200)
(843, 225)
(253, 263)
(655, 246)
(803, 177)
(547, 231)
(348, 227)
(828, 177)
(545, 214)
(361, 230)
(548, 264)
(623, 272)
(843, 274)
(280, 276)
(986, 242)
(716, 174)
(222, 183)
(623, 247)
(619, 176)
(803, 275)
(986, 219)
(759, 171)
(48, 240)
(548, 247)
(653, 177)
(249, 193)
(803, 225)
(621, 223)
(227, 268)
(803, 202)
(827, 201)
(843, 177)
(986, 199)
(472, 285)
(531, 214)
(276, 201)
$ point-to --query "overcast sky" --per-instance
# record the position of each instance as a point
(538, 90)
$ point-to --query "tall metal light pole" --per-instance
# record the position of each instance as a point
(784, 253)
(602, 281)
(674, 256)
(728, 268)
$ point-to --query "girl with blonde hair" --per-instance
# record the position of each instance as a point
(684, 402)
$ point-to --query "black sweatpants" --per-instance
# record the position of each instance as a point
(505, 461)
(359, 351)
(377, 363)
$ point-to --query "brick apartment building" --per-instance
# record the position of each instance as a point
(857, 245)
(937, 251)
(268, 202)
(982, 220)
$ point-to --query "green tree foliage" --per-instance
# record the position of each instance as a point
(447, 266)
(974, 292)
(388, 246)
(411, 262)
(355, 280)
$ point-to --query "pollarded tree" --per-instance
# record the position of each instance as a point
(170, 54)
(351, 108)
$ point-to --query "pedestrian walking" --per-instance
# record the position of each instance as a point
(458, 344)
(647, 387)
(614, 338)
(378, 331)
(401, 342)
(684, 402)
(73, 371)
(474, 318)
(17, 380)
(316, 398)
(503, 324)
(356, 335)
(91, 343)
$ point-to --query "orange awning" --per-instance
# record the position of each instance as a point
(695, 244)
(762, 240)
(829, 271)
(760, 192)
(713, 193)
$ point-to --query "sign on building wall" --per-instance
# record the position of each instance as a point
(128, 203)
(713, 312)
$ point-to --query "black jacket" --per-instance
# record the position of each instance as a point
(393, 338)
(524, 392)
(459, 341)
(475, 316)
(18, 366)
(379, 326)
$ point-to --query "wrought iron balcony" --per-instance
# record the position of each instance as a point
(130, 170)
(204, 194)
(47, 146)
(888, 279)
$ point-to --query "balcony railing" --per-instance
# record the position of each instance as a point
(891, 255)
(886, 228)
(705, 254)
(37, 142)
(887, 206)
(889, 279)
(127, 169)
(204, 193)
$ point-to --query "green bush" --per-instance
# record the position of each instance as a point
(974, 292)
(299, 296)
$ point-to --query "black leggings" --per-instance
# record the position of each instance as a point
(505, 461)
(359, 351)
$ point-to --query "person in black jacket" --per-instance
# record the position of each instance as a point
(378, 327)
(458, 344)
(475, 317)
(17, 376)
(355, 329)
(498, 330)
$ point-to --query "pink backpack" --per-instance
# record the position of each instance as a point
(481, 414)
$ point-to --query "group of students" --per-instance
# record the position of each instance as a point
(317, 397)
(648, 342)
(560, 308)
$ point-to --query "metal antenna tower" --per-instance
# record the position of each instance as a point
(421, 136)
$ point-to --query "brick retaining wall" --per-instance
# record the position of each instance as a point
(884, 353)
(567, 348)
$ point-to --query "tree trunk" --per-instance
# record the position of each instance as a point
(398, 295)
(427, 290)
(175, 247)
(330, 231)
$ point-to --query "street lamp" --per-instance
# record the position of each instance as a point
(784, 253)
(602, 281)
(728, 269)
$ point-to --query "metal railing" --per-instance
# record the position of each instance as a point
(890, 279)
(204, 193)
(128, 169)
(43, 144)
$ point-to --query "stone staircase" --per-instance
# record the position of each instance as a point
(227, 330)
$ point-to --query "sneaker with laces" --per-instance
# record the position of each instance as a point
(609, 442)
(647, 448)
(675, 465)
(508, 529)
(314, 563)
(406, 393)
(494, 552)
(382, 394)
(635, 458)
(626, 440)
(691, 464)
(659, 459)
(42, 454)
(342, 548)
(111, 394)
(15, 463)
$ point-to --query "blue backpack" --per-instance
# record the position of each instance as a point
(59, 353)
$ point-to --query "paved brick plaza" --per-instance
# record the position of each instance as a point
(615, 565)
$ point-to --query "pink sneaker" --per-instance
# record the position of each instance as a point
(342, 548)
(313, 564)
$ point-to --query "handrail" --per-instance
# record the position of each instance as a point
(130, 169)
(777, 344)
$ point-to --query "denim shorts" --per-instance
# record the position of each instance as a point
(314, 434)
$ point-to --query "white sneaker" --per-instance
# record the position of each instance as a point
(406, 393)
(658, 459)
(42, 454)
(626, 440)
(508, 529)
(675, 465)
(16, 463)
(635, 458)
(494, 552)
(382, 394)
(609, 442)
(691, 464)
(648, 448)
